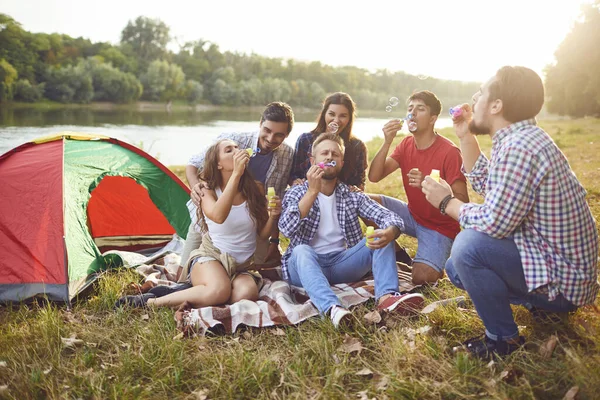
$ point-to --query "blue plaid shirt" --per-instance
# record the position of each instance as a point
(350, 205)
(532, 194)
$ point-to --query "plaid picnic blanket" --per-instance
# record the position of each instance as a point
(279, 303)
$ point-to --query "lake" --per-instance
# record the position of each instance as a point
(170, 137)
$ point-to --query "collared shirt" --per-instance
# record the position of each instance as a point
(532, 194)
(354, 170)
(350, 205)
(278, 173)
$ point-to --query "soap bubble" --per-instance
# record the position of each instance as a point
(412, 126)
(333, 127)
(394, 101)
(423, 77)
(388, 109)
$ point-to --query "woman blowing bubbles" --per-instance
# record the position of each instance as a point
(337, 116)
(234, 210)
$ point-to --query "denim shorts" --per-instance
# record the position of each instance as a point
(433, 248)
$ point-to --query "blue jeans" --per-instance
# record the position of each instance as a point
(433, 248)
(316, 272)
(490, 270)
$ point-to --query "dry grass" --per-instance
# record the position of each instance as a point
(135, 353)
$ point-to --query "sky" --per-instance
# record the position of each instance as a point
(460, 39)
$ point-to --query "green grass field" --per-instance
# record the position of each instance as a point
(93, 352)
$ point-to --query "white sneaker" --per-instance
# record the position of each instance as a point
(340, 316)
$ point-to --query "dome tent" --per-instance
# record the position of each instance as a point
(67, 198)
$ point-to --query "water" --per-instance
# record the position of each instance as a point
(170, 137)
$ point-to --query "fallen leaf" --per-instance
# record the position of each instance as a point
(362, 395)
(247, 335)
(145, 317)
(364, 372)
(490, 365)
(572, 393)
(201, 394)
(278, 332)
(336, 359)
(373, 317)
(547, 348)
(510, 374)
(3, 364)
(351, 345)
(179, 336)
(71, 342)
(47, 371)
(383, 382)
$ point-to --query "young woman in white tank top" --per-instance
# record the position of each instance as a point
(235, 211)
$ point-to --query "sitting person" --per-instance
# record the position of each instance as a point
(337, 116)
(234, 212)
(534, 240)
(321, 218)
(270, 167)
(418, 154)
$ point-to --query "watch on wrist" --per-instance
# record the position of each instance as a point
(274, 240)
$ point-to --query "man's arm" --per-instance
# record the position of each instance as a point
(382, 165)
(191, 173)
(469, 146)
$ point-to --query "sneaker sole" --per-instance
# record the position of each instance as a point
(410, 304)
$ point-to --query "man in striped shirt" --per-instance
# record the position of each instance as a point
(534, 240)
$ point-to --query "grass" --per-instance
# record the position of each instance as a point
(93, 352)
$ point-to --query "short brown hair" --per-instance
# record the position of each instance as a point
(430, 100)
(278, 111)
(521, 91)
(329, 136)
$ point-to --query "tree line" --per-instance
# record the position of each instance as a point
(36, 66)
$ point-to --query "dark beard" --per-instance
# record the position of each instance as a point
(478, 129)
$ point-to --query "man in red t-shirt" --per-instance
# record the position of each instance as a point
(416, 156)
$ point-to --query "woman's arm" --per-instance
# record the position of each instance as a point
(222, 206)
(274, 213)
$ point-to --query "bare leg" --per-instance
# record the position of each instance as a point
(211, 287)
(244, 288)
(423, 273)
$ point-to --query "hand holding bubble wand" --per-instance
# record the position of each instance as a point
(457, 112)
(253, 152)
(393, 102)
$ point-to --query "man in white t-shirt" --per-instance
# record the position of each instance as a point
(321, 218)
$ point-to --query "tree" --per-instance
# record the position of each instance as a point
(70, 84)
(25, 91)
(147, 39)
(111, 84)
(163, 81)
(193, 91)
(573, 82)
(8, 74)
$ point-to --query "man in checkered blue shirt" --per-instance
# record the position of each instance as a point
(321, 218)
(534, 240)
